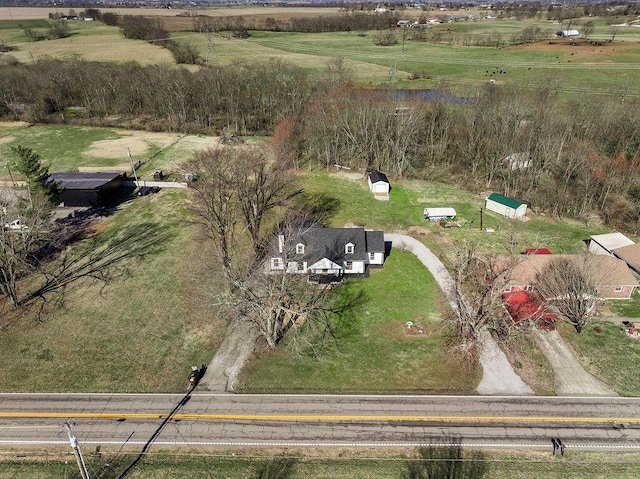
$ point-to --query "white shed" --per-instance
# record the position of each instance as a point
(379, 185)
(437, 214)
(506, 206)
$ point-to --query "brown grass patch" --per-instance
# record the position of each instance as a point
(585, 49)
(136, 141)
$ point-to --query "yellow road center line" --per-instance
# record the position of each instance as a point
(316, 418)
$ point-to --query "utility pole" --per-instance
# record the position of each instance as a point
(133, 167)
(76, 451)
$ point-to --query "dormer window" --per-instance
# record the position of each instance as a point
(299, 248)
(349, 248)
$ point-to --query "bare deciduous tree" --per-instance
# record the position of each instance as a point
(236, 190)
(477, 297)
(569, 287)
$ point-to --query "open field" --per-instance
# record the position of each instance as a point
(140, 332)
(335, 464)
(66, 148)
(33, 13)
(568, 67)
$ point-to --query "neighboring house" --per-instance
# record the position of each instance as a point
(87, 189)
(606, 243)
(506, 206)
(329, 254)
(614, 280)
(379, 185)
(437, 214)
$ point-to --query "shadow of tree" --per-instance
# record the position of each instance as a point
(103, 257)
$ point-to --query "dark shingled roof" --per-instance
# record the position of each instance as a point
(330, 243)
(72, 180)
(376, 176)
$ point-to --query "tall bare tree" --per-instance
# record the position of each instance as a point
(477, 297)
(569, 286)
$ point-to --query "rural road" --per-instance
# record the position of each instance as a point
(236, 420)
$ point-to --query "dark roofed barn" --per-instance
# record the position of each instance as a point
(87, 189)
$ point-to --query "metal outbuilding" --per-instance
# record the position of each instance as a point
(87, 189)
(437, 214)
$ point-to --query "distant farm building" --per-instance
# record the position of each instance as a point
(87, 189)
(567, 33)
(379, 185)
(506, 206)
(439, 214)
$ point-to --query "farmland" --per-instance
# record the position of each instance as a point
(568, 67)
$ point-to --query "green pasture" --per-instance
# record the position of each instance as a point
(454, 64)
(374, 354)
(610, 68)
(64, 148)
(344, 464)
(59, 146)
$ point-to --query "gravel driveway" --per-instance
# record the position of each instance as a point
(498, 377)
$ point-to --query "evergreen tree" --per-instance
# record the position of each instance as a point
(36, 174)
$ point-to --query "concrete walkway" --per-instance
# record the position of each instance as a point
(498, 377)
(570, 377)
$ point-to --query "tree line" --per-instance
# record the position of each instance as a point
(577, 158)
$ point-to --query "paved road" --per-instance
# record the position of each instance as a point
(229, 420)
(498, 377)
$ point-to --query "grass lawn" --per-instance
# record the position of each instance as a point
(408, 198)
(140, 333)
(337, 464)
(607, 352)
(374, 354)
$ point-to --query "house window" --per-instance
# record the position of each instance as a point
(276, 263)
(372, 256)
(299, 248)
(349, 248)
(619, 289)
(348, 265)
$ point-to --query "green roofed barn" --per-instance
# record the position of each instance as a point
(506, 206)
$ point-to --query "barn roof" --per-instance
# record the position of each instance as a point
(74, 180)
(505, 200)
